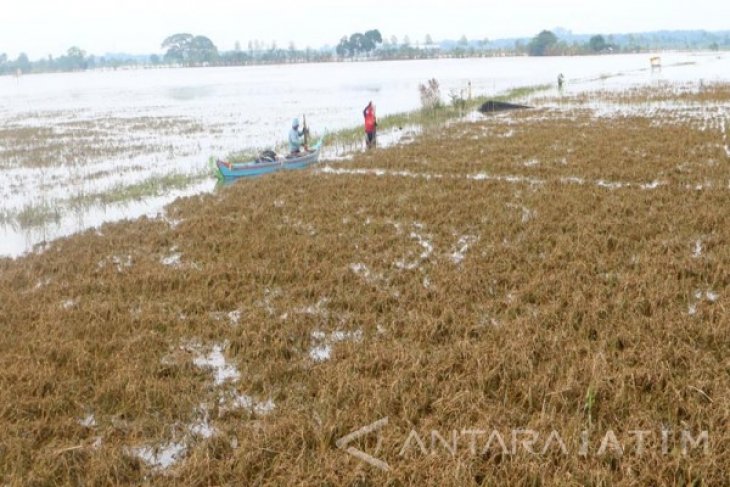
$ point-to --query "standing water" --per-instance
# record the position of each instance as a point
(80, 149)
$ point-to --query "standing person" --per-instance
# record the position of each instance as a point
(561, 81)
(295, 138)
(371, 125)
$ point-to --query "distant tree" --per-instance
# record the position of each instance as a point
(188, 49)
(406, 41)
(343, 48)
(394, 41)
(292, 53)
(429, 40)
(23, 63)
(373, 38)
(74, 60)
(237, 46)
(541, 44)
(714, 46)
(75, 52)
(154, 59)
(178, 48)
(632, 43)
(3, 58)
(202, 51)
(463, 41)
(597, 43)
(359, 43)
(234, 58)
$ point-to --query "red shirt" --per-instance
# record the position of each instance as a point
(369, 119)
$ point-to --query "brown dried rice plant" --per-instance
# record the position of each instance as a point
(445, 303)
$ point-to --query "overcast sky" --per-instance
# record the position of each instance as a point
(42, 27)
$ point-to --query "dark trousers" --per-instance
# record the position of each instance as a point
(371, 138)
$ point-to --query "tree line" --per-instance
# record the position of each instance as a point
(546, 43)
(185, 49)
(179, 50)
(190, 50)
(75, 59)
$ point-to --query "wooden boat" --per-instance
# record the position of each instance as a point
(235, 170)
(300, 162)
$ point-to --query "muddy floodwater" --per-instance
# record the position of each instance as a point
(81, 149)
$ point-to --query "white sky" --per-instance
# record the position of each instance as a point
(42, 27)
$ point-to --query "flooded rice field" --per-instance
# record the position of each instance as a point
(561, 270)
(80, 149)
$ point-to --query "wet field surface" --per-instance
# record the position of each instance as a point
(77, 150)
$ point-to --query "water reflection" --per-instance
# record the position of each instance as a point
(187, 93)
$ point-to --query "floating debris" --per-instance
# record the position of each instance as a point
(493, 106)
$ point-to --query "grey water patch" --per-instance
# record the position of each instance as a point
(188, 93)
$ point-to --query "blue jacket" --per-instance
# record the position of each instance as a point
(295, 142)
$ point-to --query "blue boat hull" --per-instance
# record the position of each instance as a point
(232, 170)
(303, 161)
(228, 170)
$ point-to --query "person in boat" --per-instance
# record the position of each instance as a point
(371, 124)
(295, 139)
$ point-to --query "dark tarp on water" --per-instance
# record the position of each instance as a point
(500, 106)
